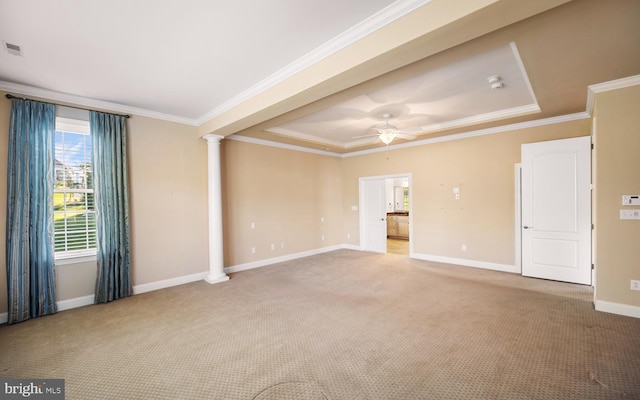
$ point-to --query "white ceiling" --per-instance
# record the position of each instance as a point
(184, 59)
(458, 94)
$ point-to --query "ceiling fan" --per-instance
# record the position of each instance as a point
(388, 132)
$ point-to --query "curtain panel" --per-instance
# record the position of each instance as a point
(29, 230)
(111, 188)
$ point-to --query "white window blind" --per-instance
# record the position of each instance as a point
(73, 205)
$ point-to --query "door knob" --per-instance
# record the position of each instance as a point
(381, 219)
(528, 227)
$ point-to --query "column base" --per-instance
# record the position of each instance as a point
(216, 278)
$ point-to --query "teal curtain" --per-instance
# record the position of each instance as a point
(29, 241)
(111, 188)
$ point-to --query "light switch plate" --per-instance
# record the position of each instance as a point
(630, 200)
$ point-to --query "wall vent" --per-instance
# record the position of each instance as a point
(13, 49)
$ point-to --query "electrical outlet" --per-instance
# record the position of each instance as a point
(629, 214)
(253, 250)
(282, 245)
(463, 247)
(273, 246)
(635, 285)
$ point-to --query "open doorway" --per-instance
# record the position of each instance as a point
(385, 214)
(397, 208)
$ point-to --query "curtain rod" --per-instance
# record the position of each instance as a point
(10, 96)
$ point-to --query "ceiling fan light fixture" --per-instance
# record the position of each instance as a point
(387, 135)
(388, 132)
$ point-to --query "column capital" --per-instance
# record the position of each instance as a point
(213, 138)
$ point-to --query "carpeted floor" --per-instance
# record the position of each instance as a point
(340, 325)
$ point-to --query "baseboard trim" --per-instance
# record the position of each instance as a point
(62, 305)
(268, 261)
(181, 280)
(75, 302)
(617, 308)
(467, 263)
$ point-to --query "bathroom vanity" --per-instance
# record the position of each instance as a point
(398, 225)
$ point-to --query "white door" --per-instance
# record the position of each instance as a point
(373, 236)
(556, 210)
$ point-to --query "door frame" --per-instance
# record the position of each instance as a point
(518, 218)
(362, 201)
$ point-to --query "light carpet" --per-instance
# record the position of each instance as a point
(340, 325)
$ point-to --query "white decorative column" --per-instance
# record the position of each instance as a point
(216, 255)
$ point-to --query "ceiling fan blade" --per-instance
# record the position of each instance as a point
(405, 136)
(411, 131)
(363, 136)
(394, 110)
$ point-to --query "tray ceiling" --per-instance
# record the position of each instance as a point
(455, 95)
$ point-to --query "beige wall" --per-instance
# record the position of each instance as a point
(285, 193)
(168, 194)
(168, 187)
(481, 167)
(617, 172)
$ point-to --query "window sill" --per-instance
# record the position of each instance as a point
(75, 259)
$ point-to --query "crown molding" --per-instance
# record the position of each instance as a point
(523, 71)
(384, 17)
(51, 95)
(248, 139)
(607, 86)
(316, 139)
(481, 118)
(304, 136)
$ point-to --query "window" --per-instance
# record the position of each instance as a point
(405, 198)
(73, 205)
